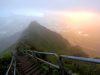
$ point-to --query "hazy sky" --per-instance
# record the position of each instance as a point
(34, 6)
(83, 14)
(71, 12)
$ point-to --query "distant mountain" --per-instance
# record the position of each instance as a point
(89, 44)
(37, 37)
(9, 41)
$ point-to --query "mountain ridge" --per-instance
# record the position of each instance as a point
(37, 37)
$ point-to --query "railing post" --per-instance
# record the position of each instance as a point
(14, 64)
(33, 54)
(11, 63)
(60, 65)
(64, 72)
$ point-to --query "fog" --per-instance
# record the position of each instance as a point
(76, 20)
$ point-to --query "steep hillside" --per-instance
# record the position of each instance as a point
(37, 37)
(85, 42)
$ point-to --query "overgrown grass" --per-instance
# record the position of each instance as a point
(5, 61)
(82, 68)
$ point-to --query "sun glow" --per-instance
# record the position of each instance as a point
(80, 18)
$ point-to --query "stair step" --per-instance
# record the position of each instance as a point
(25, 68)
(32, 72)
(38, 72)
(31, 68)
(26, 65)
(24, 61)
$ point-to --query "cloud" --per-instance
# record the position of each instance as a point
(28, 12)
(3, 32)
(83, 34)
(50, 4)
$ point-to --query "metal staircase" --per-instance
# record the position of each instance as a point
(28, 66)
(30, 62)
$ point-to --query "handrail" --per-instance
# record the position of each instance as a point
(13, 63)
(47, 53)
(60, 60)
(59, 66)
(10, 66)
(84, 59)
(91, 60)
(56, 66)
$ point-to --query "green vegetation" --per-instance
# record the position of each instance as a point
(51, 70)
(82, 68)
(5, 61)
